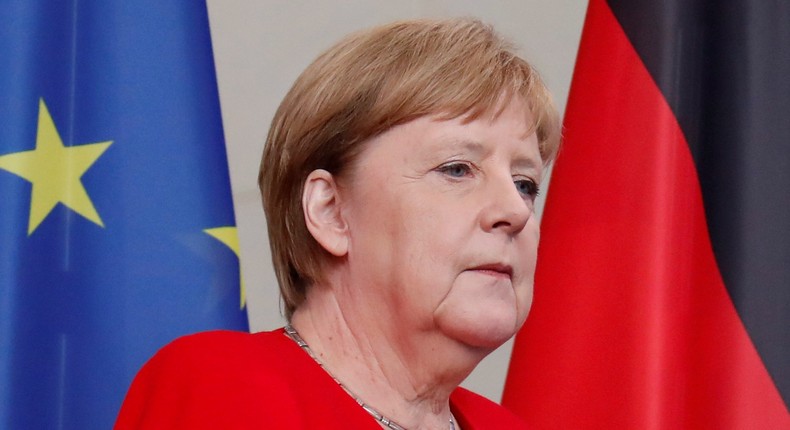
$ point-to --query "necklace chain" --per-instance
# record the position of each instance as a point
(388, 423)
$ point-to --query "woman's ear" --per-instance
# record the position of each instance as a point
(321, 205)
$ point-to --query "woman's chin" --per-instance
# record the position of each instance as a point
(478, 329)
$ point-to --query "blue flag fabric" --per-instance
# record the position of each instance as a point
(116, 221)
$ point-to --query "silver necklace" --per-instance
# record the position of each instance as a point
(388, 423)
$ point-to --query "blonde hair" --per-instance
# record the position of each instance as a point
(367, 83)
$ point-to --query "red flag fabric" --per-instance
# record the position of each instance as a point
(633, 325)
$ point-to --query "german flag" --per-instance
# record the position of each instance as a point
(662, 294)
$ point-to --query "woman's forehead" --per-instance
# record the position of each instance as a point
(436, 136)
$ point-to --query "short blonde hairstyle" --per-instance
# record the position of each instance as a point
(364, 85)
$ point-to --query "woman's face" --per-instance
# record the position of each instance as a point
(441, 224)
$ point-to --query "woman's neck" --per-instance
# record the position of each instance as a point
(404, 371)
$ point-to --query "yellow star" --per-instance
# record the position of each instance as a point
(55, 172)
(230, 237)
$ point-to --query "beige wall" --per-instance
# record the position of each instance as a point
(260, 46)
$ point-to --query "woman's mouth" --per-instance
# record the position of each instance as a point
(497, 270)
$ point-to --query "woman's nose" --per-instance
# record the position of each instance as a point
(505, 208)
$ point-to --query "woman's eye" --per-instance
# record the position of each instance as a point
(527, 187)
(456, 170)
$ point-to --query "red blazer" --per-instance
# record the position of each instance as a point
(233, 380)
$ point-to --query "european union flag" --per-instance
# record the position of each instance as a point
(116, 221)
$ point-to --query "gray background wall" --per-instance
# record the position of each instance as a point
(261, 46)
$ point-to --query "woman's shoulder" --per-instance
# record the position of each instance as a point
(476, 412)
(227, 352)
(212, 378)
(224, 347)
(228, 338)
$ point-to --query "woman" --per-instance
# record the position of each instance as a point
(398, 180)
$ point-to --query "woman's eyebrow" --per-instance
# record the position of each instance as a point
(456, 144)
(450, 145)
(528, 163)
